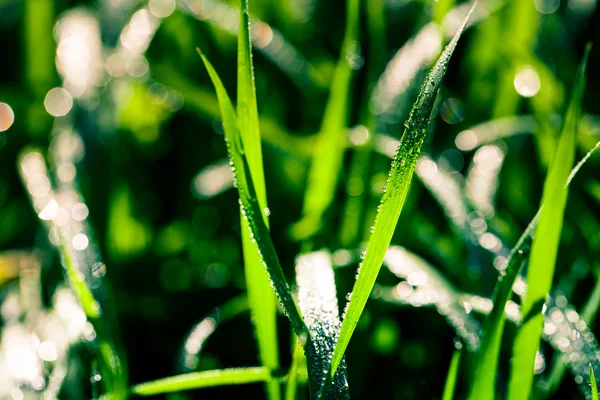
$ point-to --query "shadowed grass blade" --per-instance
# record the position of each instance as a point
(398, 183)
(593, 384)
(252, 213)
(204, 379)
(319, 306)
(450, 385)
(261, 298)
(327, 160)
(545, 247)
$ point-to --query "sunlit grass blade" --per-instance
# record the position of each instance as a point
(450, 386)
(593, 384)
(251, 211)
(545, 246)
(398, 183)
(261, 298)
(329, 150)
(319, 307)
(204, 379)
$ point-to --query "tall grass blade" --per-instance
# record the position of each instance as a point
(398, 183)
(204, 379)
(252, 213)
(450, 385)
(327, 160)
(593, 384)
(319, 306)
(545, 246)
(261, 298)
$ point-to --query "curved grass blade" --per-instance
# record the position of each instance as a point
(260, 233)
(545, 246)
(593, 384)
(261, 298)
(327, 160)
(450, 385)
(196, 339)
(398, 183)
(319, 306)
(204, 379)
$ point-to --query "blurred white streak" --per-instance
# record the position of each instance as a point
(79, 53)
(424, 286)
(417, 53)
(213, 180)
(482, 178)
(489, 131)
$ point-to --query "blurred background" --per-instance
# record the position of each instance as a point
(113, 94)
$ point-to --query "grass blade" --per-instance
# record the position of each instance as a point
(545, 246)
(593, 384)
(398, 183)
(327, 160)
(319, 306)
(484, 386)
(261, 298)
(204, 379)
(260, 233)
(450, 385)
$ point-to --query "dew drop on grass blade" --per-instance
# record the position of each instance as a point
(398, 183)
(204, 379)
(450, 385)
(593, 384)
(252, 213)
(261, 298)
(318, 304)
(545, 246)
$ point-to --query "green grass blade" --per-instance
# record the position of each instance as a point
(327, 160)
(291, 386)
(545, 246)
(82, 291)
(318, 302)
(398, 183)
(204, 379)
(262, 301)
(593, 384)
(253, 214)
(487, 361)
(450, 385)
(484, 386)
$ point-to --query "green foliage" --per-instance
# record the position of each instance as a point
(593, 384)
(393, 199)
(262, 301)
(204, 379)
(450, 386)
(545, 246)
